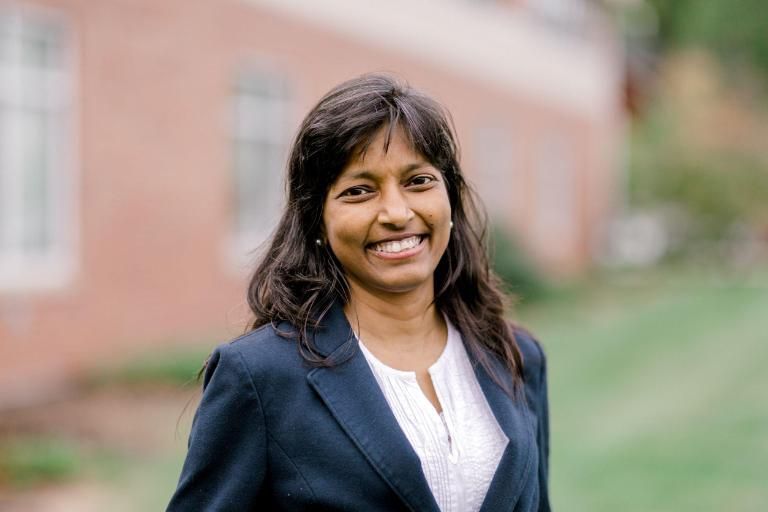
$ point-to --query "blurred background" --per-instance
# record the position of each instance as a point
(620, 146)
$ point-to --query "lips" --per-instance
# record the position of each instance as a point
(397, 246)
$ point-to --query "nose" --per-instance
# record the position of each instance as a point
(395, 208)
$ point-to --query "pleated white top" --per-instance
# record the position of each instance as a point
(460, 448)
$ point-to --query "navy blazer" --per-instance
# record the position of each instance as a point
(274, 433)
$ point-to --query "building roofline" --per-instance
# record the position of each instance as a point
(501, 45)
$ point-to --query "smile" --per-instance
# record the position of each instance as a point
(398, 246)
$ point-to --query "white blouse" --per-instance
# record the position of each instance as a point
(459, 448)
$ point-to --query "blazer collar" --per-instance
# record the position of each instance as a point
(516, 421)
(353, 396)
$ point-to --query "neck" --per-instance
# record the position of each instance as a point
(396, 325)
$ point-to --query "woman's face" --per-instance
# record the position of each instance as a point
(387, 218)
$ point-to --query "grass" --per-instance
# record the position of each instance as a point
(32, 460)
(149, 485)
(177, 366)
(29, 461)
(657, 390)
(658, 397)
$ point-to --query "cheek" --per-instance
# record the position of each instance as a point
(343, 229)
(442, 223)
(440, 216)
(330, 222)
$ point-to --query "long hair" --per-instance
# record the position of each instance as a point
(297, 281)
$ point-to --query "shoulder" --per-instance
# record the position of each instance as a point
(534, 358)
(530, 347)
(263, 354)
(265, 344)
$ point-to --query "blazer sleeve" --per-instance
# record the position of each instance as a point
(542, 434)
(535, 378)
(226, 459)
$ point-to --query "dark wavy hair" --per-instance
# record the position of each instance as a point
(297, 281)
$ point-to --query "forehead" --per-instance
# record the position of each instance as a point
(384, 148)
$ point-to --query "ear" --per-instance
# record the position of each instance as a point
(321, 231)
(321, 240)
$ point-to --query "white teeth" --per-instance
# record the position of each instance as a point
(398, 245)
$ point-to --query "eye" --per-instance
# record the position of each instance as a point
(421, 180)
(355, 192)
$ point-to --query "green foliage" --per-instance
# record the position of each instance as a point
(712, 184)
(713, 189)
(715, 194)
(178, 366)
(511, 263)
(29, 461)
(733, 29)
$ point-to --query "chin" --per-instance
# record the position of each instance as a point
(404, 285)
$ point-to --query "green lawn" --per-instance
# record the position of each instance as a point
(658, 393)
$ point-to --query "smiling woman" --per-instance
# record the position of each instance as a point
(380, 373)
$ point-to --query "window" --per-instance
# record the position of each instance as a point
(262, 127)
(495, 170)
(568, 15)
(556, 220)
(36, 221)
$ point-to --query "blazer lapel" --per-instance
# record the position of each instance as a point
(353, 396)
(515, 420)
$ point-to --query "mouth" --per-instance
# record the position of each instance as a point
(401, 246)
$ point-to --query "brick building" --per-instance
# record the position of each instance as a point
(142, 144)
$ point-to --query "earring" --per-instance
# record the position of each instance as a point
(318, 242)
(451, 224)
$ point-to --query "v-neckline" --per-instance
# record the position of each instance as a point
(410, 376)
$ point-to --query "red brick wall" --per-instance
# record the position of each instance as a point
(153, 88)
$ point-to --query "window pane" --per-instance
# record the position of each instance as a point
(35, 177)
(253, 85)
(493, 147)
(40, 48)
(255, 192)
(34, 109)
(556, 201)
(3, 176)
(260, 142)
(246, 166)
(5, 39)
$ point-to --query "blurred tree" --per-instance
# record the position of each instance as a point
(698, 145)
(735, 30)
(698, 153)
(513, 265)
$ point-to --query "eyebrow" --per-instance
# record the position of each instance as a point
(366, 174)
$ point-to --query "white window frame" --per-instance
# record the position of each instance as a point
(27, 90)
(262, 120)
(569, 15)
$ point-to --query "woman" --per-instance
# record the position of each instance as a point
(380, 373)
